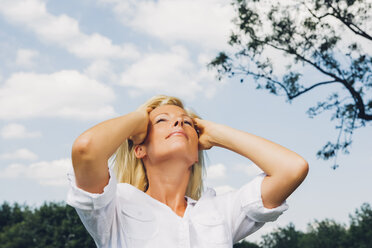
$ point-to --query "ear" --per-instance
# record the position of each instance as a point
(140, 151)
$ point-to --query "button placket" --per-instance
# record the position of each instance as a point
(184, 234)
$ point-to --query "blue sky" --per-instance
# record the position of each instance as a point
(68, 65)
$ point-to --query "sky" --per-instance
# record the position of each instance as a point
(66, 66)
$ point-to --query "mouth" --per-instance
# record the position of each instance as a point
(177, 133)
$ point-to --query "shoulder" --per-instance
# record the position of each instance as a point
(129, 192)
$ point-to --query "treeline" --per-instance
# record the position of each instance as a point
(322, 234)
(58, 225)
(51, 225)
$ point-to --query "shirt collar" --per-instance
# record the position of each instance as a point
(190, 200)
(209, 192)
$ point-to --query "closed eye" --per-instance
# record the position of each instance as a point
(188, 123)
(160, 120)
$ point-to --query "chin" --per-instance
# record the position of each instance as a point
(180, 150)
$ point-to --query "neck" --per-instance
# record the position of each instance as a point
(168, 182)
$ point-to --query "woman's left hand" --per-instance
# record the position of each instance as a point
(206, 130)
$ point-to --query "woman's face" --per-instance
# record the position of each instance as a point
(171, 134)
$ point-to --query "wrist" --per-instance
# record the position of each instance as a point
(138, 119)
(217, 135)
(224, 136)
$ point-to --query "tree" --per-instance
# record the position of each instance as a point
(11, 215)
(287, 237)
(360, 230)
(325, 38)
(51, 225)
(245, 244)
(14, 232)
(325, 234)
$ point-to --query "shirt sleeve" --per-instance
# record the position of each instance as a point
(252, 205)
(245, 212)
(96, 210)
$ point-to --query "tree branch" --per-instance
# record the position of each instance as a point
(359, 103)
(290, 97)
(357, 98)
(313, 86)
(336, 14)
(314, 15)
(350, 25)
(307, 61)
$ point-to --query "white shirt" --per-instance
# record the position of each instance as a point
(124, 216)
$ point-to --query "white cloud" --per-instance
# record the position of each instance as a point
(12, 171)
(223, 189)
(216, 171)
(25, 57)
(17, 131)
(101, 70)
(250, 170)
(24, 154)
(65, 94)
(63, 31)
(49, 173)
(206, 23)
(169, 73)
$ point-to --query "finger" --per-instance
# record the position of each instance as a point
(197, 122)
(135, 139)
(141, 138)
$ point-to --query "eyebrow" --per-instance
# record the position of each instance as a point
(168, 115)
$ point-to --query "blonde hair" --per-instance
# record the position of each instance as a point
(129, 169)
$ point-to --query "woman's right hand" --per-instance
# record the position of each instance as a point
(140, 132)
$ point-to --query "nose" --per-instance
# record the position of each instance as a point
(178, 122)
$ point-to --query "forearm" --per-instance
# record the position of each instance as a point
(272, 158)
(102, 140)
(284, 168)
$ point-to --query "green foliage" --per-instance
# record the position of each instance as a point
(324, 234)
(51, 225)
(58, 225)
(321, 36)
(245, 244)
(360, 231)
(283, 238)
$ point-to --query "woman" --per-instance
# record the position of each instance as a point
(159, 200)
